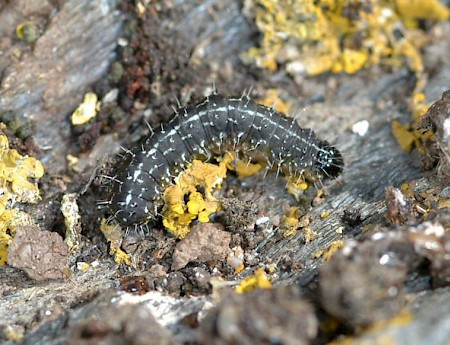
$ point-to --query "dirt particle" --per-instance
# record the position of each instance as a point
(240, 215)
(41, 254)
(398, 205)
(130, 324)
(363, 283)
(205, 242)
(136, 285)
(274, 316)
(235, 262)
(175, 283)
(436, 120)
(352, 216)
(201, 278)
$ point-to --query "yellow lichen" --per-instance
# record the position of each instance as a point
(379, 332)
(199, 176)
(405, 138)
(176, 212)
(242, 168)
(325, 214)
(273, 99)
(408, 136)
(292, 221)
(114, 235)
(13, 333)
(351, 61)
(71, 161)
(407, 190)
(245, 169)
(444, 204)
(310, 234)
(330, 251)
(16, 172)
(314, 37)
(296, 220)
(239, 269)
(423, 9)
(418, 106)
(257, 281)
(18, 183)
(86, 110)
(296, 187)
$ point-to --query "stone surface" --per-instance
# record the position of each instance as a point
(205, 242)
(41, 254)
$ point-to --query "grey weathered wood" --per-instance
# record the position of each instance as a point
(46, 84)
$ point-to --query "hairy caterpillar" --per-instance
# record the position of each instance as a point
(211, 128)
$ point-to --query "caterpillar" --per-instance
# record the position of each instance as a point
(208, 130)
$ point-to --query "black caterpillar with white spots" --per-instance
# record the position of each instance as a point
(208, 130)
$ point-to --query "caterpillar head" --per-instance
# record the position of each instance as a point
(329, 160)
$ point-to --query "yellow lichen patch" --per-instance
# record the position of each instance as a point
(242, 168)
(245, 169)
(83, 266)
(408, 136)
(13, 333)
(402, 133)
(176, 212)
(314, 37)
(310, 234)
(86, 110)
(239, 269)
(418, 107)
(19, 30)
(71, 161)
(378, 333)
(407, 190)
(16, 172)
(293, 221)
(330, 251)
(325, 214)
(403, 318)
(296, 187)
(113, 234)
(257, 281)
(340, 36)
(5, 241)
(351, 61)
(18, 183)
(273, 99)
(444, 204)
(199, 176)
(423, 9)
(120, 256)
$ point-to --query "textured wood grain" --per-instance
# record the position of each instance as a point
(46, 83)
